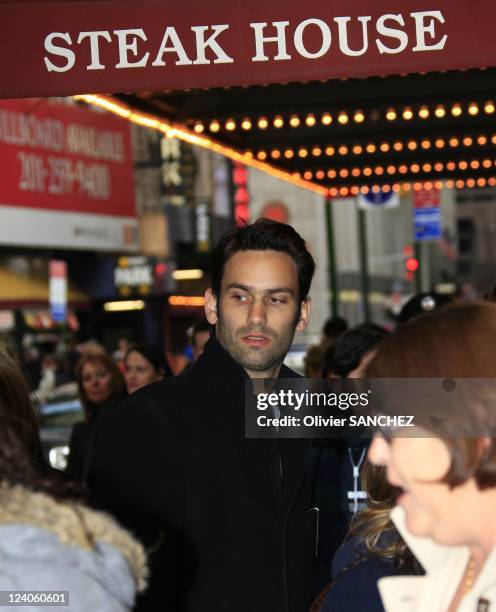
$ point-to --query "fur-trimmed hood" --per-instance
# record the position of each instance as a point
(35, 526)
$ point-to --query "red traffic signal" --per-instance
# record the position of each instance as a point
(412, 264)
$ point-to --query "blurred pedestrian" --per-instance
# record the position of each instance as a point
(199, 337)
(49, 367)
(314, 361)
(446, 508)
(49, 542)
(234, 510)
(332, 329)
(337, 492)
(144, 364)
(120, 351)
(423, 303)
(350, 354)
(374, 549)
(101, 387)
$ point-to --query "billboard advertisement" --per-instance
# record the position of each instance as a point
(67, 176)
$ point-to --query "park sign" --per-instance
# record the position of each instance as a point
(54, 47)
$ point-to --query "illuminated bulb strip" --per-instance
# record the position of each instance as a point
(415, 168)
(407, 113)
(353, 190)
(180, 132)
(111, 106)
(384, 147)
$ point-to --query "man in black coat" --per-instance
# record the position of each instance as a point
(235, 512)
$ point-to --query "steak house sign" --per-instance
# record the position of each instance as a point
(110, 46)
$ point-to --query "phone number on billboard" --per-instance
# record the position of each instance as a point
(61, 176)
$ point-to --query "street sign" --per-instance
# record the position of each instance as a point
(380, 200)
(58, 290)
(427, 215)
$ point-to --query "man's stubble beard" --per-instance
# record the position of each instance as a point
(252, 358)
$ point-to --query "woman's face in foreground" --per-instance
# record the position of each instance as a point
(416, 465)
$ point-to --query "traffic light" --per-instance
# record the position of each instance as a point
(411, 262)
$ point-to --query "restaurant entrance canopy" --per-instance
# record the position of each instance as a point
(343, 79)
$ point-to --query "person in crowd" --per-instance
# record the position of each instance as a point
(234, 510)
(101, 386)
(350, 354)
(31, 365)
(332, 329)
(200, 336)
(49, 367)
(313, 361)
(48, 541)
(121, 350)
(144, 364)
(447, 481)
(337, 461)
(422, 303)
(374, 549)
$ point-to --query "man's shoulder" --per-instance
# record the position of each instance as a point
(289, 373)
(170, 393)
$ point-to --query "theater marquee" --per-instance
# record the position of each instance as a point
(54, 47)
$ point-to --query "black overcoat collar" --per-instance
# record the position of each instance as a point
(228, 380)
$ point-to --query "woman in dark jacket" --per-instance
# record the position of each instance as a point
(373, 550)
(101, 386)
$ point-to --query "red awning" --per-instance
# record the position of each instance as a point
(59, 48)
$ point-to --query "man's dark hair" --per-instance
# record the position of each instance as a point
(263, 235)
(345, 354)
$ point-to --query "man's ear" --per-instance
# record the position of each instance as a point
(211, 306)
(306, 306)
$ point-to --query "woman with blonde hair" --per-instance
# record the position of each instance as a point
(373, 549)
(101, 388)
(49, 542)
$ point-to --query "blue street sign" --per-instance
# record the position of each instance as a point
(391, 199)
(427, 224)
(58, 312)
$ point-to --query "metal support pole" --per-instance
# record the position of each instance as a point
(331, 255)
(418, 271)
(364, 269)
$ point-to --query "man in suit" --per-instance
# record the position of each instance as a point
(234, 511)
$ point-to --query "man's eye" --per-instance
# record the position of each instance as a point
(239, 298)
(275, 300)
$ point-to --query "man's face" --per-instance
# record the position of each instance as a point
(256, 314)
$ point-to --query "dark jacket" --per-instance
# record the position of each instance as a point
(356, 571)
(237, 535)
(333, 479)
(81, 442)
